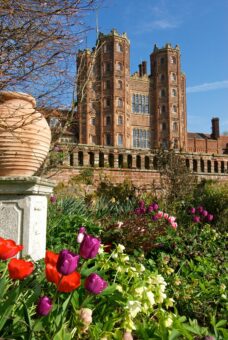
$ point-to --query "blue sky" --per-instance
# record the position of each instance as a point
(200, 27)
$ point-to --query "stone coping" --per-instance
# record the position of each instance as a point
(25, 185)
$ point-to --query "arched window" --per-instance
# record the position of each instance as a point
(163, 126)
(174, 92)
(119, 67)
(173, 77)
(174, 108)
(120, 161)
(175, 126)
(80, 158)
(209, 166)
(111, 160)
(202, 165)
(187, 163)
(162, 93)
(216, 166)
(147, 162)
(162, 77)
(162, 61)
(222, 167)
(108, 139)
(119, 47)
(119, 84)
(163, 109)
(120, 102)
(194, 165)
(120, 120)
(138, 162)
(101, 159)
(108, 120)
(173, 60)
(129, 161)
(91, 158)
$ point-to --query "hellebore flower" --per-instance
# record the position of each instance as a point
(192, 210)
(8, 248)
(67, 262)
(95, 284)
(86, 315)
(141, 204)
(160, 214)
(20, 269)
(150, 208)
(210, 217)
(53, 199)
(155, 206)
(200, 209)
(89, 247)
(204, 213)
(196, 219)
(44, 306)
(127, 336)
(155, 217)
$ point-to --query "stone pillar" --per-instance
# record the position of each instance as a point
(86, 158)
(75, 159)
(96, 158)
(116, 160)
(23, 212)
(134, 161)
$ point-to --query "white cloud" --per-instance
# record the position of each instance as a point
(223, 84)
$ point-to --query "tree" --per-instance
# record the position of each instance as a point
(38, 44)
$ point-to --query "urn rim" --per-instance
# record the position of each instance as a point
(7, 95)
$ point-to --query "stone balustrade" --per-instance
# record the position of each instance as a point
(138, 159)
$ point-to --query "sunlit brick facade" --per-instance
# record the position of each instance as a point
(139, 111)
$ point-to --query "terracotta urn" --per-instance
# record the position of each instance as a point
(25, 136)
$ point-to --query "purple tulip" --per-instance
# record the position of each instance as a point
(138, 211)
(82, 230)
(192, 210)
(95, 284)
(53, 199)
(89, 247)
(142, 211)
(155, 206)
(210, 217)
(196, 219)
(200, 209)
(44, 306)
(67, 262)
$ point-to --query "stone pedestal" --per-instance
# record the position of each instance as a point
(23, 212)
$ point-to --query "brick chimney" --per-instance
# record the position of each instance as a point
(215, 128)
(140, 70)
(144, 68)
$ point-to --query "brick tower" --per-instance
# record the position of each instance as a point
(168, 98)
(103, 91)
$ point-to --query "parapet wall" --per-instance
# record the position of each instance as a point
(137, 165)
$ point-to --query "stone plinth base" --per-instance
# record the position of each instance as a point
(23, 212)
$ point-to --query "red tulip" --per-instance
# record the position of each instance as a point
(66, 283)
(69, 283)
(20, 269)
(8, 248)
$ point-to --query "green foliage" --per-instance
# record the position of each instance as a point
(194, 263)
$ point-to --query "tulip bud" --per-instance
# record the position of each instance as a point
(192, 210)
(95, 284)
(200, 209)
(67, 262)
(44, 306)
(204, 213)
(89, 247)
(53, 199)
